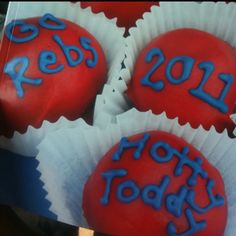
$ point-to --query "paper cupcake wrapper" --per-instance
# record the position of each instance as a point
(108, 35)
(26, 144)
(66, 168)
(215, 18)
(112, 102)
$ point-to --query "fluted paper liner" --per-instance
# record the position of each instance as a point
(26, 144)
(104, 30)
(68, 157)
(215, 18)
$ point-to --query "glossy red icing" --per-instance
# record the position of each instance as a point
(66, 93)
(176, 100)
(126, 12)
(136, 217)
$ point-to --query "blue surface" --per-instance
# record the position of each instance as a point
(20, 184)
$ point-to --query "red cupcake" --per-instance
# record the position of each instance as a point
(50, 80)
(181, 60)
(54, 66)
(127, 13)
(144, 174)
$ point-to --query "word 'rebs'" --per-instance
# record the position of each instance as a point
(47, 59)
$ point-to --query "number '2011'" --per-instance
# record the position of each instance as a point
(187, 65)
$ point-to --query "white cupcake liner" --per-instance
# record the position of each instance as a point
(215, 18)
(106, 101)
(65, 168)
(26, 144)
(108, 35)
(233, 118)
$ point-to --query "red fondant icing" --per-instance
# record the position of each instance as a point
(66, 93)
(137, 218)
(176, 100)
(126, 12)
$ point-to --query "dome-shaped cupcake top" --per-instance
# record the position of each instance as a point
(51, 67)
(189, 74)
(155, 183)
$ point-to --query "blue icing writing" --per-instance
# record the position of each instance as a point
(125, 144)
(85, 43)
(215, 201)
(187, 63)
(194, 226)
(169, 151)
(16, 69)
(175, 202)
(153, 194)
(47, 58)
(67, 50)
(183, 160)
(218, 102)
(109, 176)
(30, 31)
(127, 185)
(57, 23)
(154, 52)
(194, 165)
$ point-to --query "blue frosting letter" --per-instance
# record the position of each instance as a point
(109, 176)
(125, 144)
(218, 102)
(157, 191)
(57, 23)
(215, 201)
(85, 43)
(175, 202)
(187, 63)
(169, 151)
(25, 28)
(67, 52)
(183, 160)
(194, 165)
(47, 58)
(194, 226)
(17, 74)
(158, 85)
(127, 185)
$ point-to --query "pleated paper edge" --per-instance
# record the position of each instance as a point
(166, 17)
(25, 144)
(218, 148)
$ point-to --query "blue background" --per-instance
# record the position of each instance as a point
(20, 184)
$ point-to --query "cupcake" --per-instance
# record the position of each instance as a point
(195, 84)
(50, 66)
(127, 13)
(183, 64)
(144, 174)
(54, 62)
